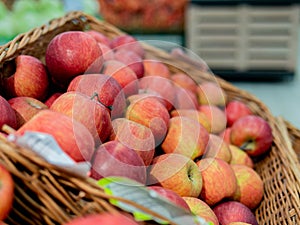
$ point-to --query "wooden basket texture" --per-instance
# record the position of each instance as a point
(46, 195)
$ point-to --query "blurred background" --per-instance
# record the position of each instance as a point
(252, 44)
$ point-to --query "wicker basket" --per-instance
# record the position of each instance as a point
(46, 195)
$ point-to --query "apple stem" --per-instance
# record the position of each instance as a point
(98, 99)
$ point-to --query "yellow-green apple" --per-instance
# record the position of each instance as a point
(72, 136)
(176, 172)
(171, 196)
(94, 116)
(99, 37)
(132, 60)
(135, 136)
(233, 211)
(217, 148)
(236, 109)
(160, 85)
(193, 114)
(113, 158)
(122, 73)
(225, 135)
(156, 68)
(253, 134)
(6, 192)
(216, 116)
(202, 209)
(8, 115)
(185, 99)
(219, 181)
(128, 42)
(250, 187)
(108, 90)
(238, 156)
(185, 81)
(210, 93)
(48, 102)
(25, 108)
(72, 53)
(151, 113)
(29, 79)
(185, 136)
(104, 218)
(107, 52)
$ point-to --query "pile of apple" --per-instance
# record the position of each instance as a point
(106, 104)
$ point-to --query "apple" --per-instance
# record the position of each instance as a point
(200, 208)
(103, 218)
(123, 74)
(216, 116)
(156, 68)
(151, 113)
(6, 192)
(161, 86)
(238, 156)
(184, 81)
(217, 148)
(185, 136)
(250, 188)
(25, 108)
(94, 116)
(107, 52)
(99, 37)
(108, 90)
(193, 114)
(239, 223)
(48, 102)
(176, 172)
(135, 136)
(8, 115)
(113, 158)
(132, 60)
(72, 136)
(171, 196)
(219, 181)
(128, 42)
(253, 134)
(72, 53)
(236, 109)
(185, 99)
(233, 211)
(225, 135)
(142, 94)
(210, 93)
(29, 79)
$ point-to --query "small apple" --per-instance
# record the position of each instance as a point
(72, 53)
(8, 115)
(185, 136)
(72, 136)
(233, 211)
(6, 192)
(115, 159)
(253, 134)
(99, 37)
(240, 157)
(210, 93)
(200, 208)
(184, 81)
(48, 102)
(236, 109)
(29, 79)
(156, 68)
(25, 108)
(176, 172)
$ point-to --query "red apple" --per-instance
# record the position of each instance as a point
(184, 81)
(210, 93)
(116, 159)
(185, 99)
(6, 192)
(171, 196)
(94, 116)
(236, 109)
(156, 68)
(25, 108)
(109, 91)
(253, 134)
(176, 172)
(185, 136)
(123, 74)
(29, 79)
(52, 98)
(135, 136)
(72, 136)
(72, 53)
(233, 211)
(99, 37)
(240, 157)
(7, 115)
(107, 52)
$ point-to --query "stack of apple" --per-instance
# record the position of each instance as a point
(106, 104)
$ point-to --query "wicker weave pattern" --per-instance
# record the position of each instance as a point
(46, 195)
